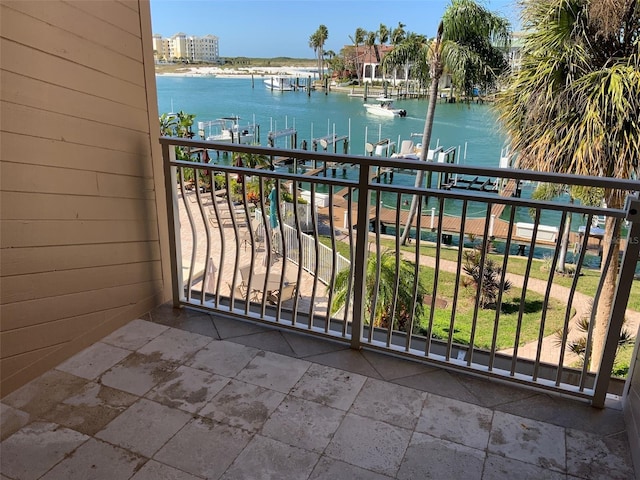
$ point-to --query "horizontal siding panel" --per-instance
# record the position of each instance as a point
(33, 63)
(23, 233)
(9, 366)
(115, 13)
(38, 123)
(21, 261)
(46, 96)
(78, 22)
(34, 178)
(17, 177)
(125, 187)
(48, 152)
(37, 34)
(40, 206)
(132, 4)
(42, 310)
(49, 284)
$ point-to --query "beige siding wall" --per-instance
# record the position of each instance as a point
(82, 220)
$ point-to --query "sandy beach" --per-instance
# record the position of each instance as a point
(236, 72)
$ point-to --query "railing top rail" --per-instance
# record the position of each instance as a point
(408, 164)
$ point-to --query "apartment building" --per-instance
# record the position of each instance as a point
(182, 47)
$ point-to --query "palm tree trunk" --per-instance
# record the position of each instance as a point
(611, 241)
(426, 139)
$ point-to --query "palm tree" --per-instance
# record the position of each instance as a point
(470, 43)
(386, 296)
(574, 106)
(317, 41)
(397, 36)
(358, 39)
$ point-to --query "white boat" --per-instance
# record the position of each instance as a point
(384, 108)
(280, 84)
(227, 129)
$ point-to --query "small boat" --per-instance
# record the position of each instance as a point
(280, 84)
(227, 129)
(384, 108)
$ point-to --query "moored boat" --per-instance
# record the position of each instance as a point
(280, 84)
(228, 129)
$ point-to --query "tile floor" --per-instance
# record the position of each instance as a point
(183, 395)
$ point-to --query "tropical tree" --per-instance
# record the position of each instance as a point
(397, 36)
(386, 296)
(317, 41)
(470, 43)
(574, 106)
(358, 39)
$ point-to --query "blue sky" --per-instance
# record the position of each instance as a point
(274, 28)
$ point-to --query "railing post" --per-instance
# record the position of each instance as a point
(359, 263)
(170, 186)
(623, 290)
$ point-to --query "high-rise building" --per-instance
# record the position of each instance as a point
(181, 47)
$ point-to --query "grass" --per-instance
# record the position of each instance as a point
(509, 320)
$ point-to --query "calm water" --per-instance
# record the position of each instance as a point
(318, 115)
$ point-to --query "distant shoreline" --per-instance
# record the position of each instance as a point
(237, 72)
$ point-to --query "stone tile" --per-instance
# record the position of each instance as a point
(429, 457)
(349, 360)
(134, 334)
(204, 448)
(528, 440)
(98, 461)
(302, 423)
(569, 413)
(274, 371)
(93, 361)
(329, 386)
(11, 420)
(34, 449)
(488, 393)
(188, 389)
(265, 458)
(268, 341)
(175, 345)
(44, 392)
(91, 408)
(501, 468)
(243, 405)
(595, 457)
(185, 319)
(330, 469)
(374, 401)
(153, 470)
(439, 382)
(144, 427)
(137, 374)
(223, 358)
(369, 444)
(391, 368)
(229, 328)
(307, 345)
(455, 421)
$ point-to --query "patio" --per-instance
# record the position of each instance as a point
(180, 394)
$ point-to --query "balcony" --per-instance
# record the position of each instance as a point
(240, 250)
(236, 379)
(185, 394)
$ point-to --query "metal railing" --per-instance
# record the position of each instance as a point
(494, 283)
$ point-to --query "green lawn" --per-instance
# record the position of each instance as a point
(507, 324)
